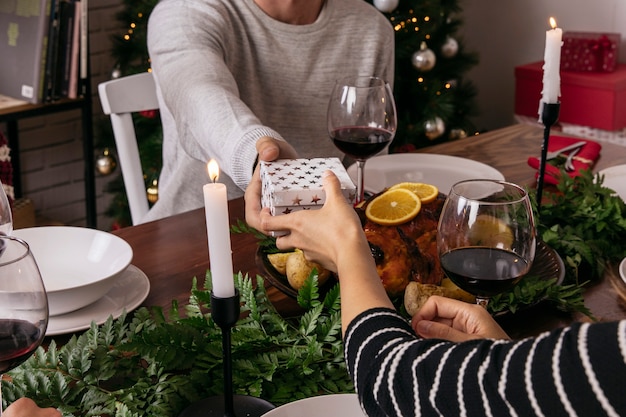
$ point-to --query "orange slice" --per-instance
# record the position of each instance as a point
(425, 192)
(393, 207)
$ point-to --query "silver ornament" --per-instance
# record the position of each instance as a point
(450, 48)
(424, 59)
(386, 6)
(116, 73)
(106, 163)
(434, 128)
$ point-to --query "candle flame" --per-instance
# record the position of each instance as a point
(213, 169)
(553, 22)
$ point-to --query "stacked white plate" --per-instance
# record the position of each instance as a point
(615, 179)
(87, 274)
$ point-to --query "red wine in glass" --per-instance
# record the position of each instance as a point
(360, 142)
(483, 271)
(18, 340)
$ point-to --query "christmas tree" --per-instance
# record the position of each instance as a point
(433, 100)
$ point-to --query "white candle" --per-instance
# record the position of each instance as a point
(551, 65)
(218, 233)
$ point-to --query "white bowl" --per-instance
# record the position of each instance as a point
(78, 265)
(622, 269)
(333, 405)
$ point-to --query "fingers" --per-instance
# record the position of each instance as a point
(252, 198)
(25, 407)
(271, 149)
(464, 321)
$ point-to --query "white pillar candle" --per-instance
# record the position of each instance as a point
(218, 233)
(552, 63)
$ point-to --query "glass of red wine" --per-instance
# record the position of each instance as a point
(361, 120)
(486, 237)
(23, 304)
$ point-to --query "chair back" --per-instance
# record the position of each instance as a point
(120, 98)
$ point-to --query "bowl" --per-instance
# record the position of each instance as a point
(78, 265)
(622, 270)
(332, 405)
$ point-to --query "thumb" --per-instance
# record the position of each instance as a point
(332, 186)
(267, 148)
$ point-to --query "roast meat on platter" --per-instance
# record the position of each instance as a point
(406, 252)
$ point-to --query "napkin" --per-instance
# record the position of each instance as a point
(584, 159)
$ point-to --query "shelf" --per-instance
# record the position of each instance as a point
(12, 115)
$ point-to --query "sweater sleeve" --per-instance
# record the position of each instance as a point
(579, 370)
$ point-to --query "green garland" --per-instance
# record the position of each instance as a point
(151, 365)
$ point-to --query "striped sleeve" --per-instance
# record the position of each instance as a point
(579, 370)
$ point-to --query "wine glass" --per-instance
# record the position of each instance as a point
(361, 120)
(23, 304)
(6, 216)
(486, 236)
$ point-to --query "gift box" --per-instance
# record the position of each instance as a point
(590, 52)
(296, 184)
(591, 99)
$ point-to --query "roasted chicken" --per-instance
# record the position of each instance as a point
(407, 252)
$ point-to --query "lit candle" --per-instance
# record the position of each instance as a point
(551, 65)
(218, 233)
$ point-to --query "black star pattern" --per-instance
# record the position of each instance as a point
(315, 199)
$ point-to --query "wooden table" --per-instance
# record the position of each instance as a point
(172, 251)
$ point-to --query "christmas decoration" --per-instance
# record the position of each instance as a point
(105, 163)
(153, 191)
(424, 59)
(434, 128)
(434, 88)
(386, 6)
(450, 47)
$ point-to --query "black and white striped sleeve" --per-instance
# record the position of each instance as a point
(575, 371)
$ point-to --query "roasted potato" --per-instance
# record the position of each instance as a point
(298, 270)
(279, 261)
(416, 294)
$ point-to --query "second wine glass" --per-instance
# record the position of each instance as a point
(23, 304)
(361, 120)
(486, 236)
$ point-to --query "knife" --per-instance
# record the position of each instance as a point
(554, 154)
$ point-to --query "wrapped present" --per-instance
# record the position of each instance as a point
(590, 52)
(592, 99)
(585, 158)
(296, 184)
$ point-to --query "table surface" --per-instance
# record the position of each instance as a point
(173, 250)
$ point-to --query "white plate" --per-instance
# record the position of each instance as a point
(622, 269)
(615, 179)
(333, 405)
(126, 294)
(442, 171)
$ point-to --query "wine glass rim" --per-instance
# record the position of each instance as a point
(20, 256)
(510, 185)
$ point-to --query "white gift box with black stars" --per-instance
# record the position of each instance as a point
(296, 184)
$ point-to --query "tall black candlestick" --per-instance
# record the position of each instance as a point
(549, 116)
(225, 312)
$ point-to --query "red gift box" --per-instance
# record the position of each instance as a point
(590, 52)
(593, 99)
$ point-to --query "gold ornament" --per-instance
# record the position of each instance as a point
(153, 191)
(106, 163)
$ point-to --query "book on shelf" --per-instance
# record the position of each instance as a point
(23, 47)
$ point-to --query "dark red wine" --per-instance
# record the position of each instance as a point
(484, 271)
(18, 340)
(360, 142)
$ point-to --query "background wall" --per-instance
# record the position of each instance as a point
(511, 33)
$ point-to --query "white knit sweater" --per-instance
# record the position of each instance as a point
(228, 74)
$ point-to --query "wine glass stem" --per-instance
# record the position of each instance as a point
(482, 301)
(360, 181)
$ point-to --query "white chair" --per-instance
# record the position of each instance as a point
(120, 98)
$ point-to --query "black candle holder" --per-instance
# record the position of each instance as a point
(549, 116)
(225, 312)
